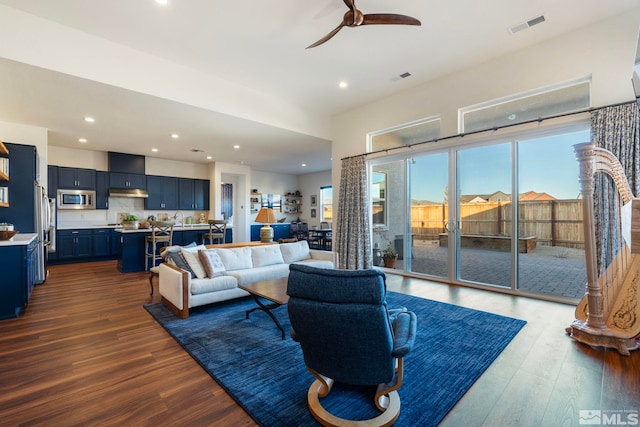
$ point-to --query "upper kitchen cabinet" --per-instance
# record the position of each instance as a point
(127, 164)
(194, 194)
(102, 190)
(52, 181)
(76, 178)
(127, 180)
(163, 192)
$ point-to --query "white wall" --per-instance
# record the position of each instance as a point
(604, 51)
(28, 135)
(310, 185)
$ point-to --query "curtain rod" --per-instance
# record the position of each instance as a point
(461, 135)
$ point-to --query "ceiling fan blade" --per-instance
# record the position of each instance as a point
(351, 4)
(389, 19)
(327, 37)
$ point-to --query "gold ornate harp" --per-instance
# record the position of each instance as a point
(609, 313)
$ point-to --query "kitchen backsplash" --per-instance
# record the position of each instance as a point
(117, 207)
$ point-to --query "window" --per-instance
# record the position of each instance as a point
(525, 107)
(378, 198)
(326, 203)
(407, 134)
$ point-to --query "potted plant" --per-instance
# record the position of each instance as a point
(130, 222)
(389, 256)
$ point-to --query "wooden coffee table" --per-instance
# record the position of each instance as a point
(271, 290)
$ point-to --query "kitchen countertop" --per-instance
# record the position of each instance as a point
(20, 239)
(119, 228)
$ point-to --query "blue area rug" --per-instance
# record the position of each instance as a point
(267, 376)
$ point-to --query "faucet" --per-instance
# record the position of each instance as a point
(175, 216)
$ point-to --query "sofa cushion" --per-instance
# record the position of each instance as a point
(292, 252)
(319, 263)
(259, 274)
(191, 256)
(212, 263)
(220, 283)
(262, 256)
(235, 258)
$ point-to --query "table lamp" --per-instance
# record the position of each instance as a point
(266, 217)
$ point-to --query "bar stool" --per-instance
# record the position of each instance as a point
(217, 231)
(161, 233)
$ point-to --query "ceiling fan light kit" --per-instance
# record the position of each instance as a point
(355, 18)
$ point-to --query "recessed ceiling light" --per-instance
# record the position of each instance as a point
(343, 85)
(175, 136)
(83, 140)
(155, 150)
(236, 146)
(162, 2)
(209, 157)
(89, 119)
(304, 165)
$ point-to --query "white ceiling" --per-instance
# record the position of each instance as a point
(261, 45)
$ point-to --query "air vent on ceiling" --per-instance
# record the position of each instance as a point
(401, 76)
(528, 24)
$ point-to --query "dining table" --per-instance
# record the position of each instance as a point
(324, 235)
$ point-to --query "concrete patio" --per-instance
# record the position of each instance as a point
(556, 271)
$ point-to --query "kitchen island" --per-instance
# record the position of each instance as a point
(18, 263)
(132, 246)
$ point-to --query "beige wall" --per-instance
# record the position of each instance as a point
(605, 52)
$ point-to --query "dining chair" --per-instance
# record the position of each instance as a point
(217, 231)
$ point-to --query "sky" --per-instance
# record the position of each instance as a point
(545, 165)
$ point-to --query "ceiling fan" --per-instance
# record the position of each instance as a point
(355, 18)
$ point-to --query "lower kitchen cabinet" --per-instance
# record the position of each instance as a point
(19, 269)
(101, 242)
(74, 244)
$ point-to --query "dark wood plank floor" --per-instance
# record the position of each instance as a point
(87, 353)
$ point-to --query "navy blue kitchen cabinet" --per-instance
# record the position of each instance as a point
(76, 178)
(101, 242)
(131, 253)
(74, 244)
(19, 269)
(127, 180)
(193, 194)
(127, 163)
(115, 242)
(102, 190)
(52, 181)
(163, 192)
(22, 190)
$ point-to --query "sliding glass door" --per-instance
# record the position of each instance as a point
(497, 214)
(484, 193)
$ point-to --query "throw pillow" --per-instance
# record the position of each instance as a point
(212, 263)
(236, 258)
(175, 248)
(176, 258)
(191, 256)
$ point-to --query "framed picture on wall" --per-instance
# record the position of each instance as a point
(314, 200)
(313, 213)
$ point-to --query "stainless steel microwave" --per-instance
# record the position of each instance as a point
(76, 199)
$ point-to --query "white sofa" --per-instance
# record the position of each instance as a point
(240, 265)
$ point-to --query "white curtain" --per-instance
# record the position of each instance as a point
(353, 225)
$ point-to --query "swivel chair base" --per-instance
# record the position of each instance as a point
(320, 389)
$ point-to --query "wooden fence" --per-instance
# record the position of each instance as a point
(552, 222)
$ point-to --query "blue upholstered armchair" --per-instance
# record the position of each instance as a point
(346, 333)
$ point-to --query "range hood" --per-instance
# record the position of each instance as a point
(128, 192)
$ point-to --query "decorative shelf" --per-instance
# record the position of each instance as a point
(3, 149)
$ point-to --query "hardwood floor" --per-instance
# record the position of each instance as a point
(87, 353)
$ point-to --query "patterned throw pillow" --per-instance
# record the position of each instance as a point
(178, 260)
(212, 263)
